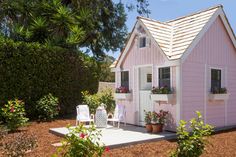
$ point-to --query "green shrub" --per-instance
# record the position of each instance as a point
(106, 97)
(19, 144)
(14, 114)
(82, 142)
(31, 70)
(95, 100)
(192, 144)
(91, 100)
(47, 107)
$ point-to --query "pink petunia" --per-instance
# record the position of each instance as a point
(82, 135)
(107, 149)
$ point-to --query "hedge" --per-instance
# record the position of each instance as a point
(28, 71)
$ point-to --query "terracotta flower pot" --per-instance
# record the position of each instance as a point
(149, 127)
(156, 128)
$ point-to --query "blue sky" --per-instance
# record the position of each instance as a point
(163, 10)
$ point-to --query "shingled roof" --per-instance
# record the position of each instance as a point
(174, 37)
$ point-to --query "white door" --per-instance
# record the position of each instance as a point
(145, 86)
(144, 104)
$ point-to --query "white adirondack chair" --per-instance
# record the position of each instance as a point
(119, 115)
(83, 114)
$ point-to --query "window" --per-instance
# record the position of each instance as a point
(149, 78)
(215, 79)
(125, 79)
(142, 42)
(164, 77)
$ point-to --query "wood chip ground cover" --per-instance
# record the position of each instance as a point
(221, 145)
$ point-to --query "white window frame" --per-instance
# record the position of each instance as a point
(222, 77)
(125, 70)
(146, 41)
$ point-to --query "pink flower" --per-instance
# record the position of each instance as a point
(12, 109)
(107, 149)
(82, 135)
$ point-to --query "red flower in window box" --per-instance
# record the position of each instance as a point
(122, 90)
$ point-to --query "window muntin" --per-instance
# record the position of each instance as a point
(215, 79)
(142, 42)
(125, 79)
(164, 77)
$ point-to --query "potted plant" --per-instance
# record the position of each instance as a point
(218, 94)
(148, 120)
(161, 94)
(162, 115)
(155, 126)
(122, 93)
(158, 120)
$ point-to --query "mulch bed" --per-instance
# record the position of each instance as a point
(221, 145)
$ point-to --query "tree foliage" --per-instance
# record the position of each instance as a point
(106, 75)
(141, 7)
(96, 25)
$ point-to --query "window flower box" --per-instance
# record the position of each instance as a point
(162, 97)
(224, 96)
(219, 94)
(162, 94)
(123, 96)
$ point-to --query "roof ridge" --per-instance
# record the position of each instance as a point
(194, 13)
(171, 38)
(164, 23)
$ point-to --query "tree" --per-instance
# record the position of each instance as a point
(106, 75)
(99, 26)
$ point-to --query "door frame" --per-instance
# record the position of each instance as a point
(137, 68)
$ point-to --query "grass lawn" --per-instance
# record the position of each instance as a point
(222, 144)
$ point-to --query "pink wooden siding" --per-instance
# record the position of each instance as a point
(150, 56)
(215, 50)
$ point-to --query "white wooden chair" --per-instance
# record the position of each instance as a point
(83, 114)
(119, 115)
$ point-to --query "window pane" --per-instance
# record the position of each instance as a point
(142, 42)
(164, 82)
(164, 77)
(125, 79)
(149, 78)
(215, 79)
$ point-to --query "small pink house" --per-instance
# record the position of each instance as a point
(193, 55)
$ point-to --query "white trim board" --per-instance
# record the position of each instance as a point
(127, 46)
(226, 102)
(205, 92)
(178, 94)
